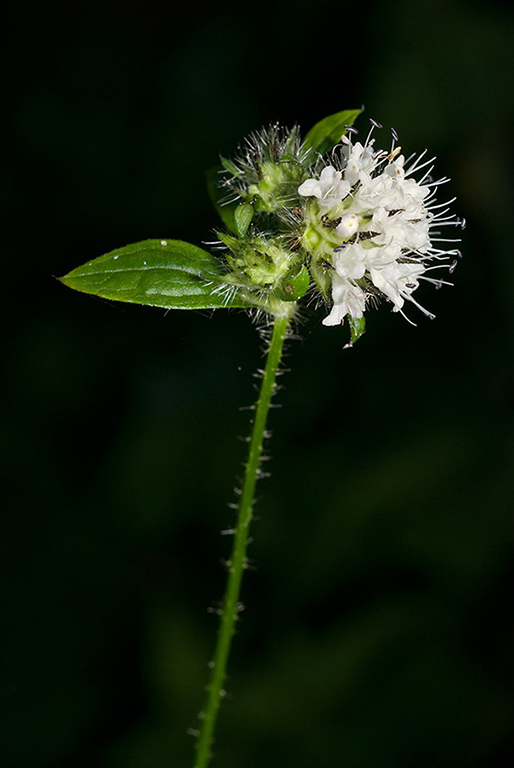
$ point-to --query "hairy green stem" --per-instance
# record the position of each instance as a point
(237, 562)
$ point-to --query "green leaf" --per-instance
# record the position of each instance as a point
(242, 218)
(327, 133)
(357, 328)
(295, 284)
(218, 195)
(157, 273)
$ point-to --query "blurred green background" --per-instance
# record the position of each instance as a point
(378, 628)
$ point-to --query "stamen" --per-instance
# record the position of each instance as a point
(438, 266)
(434, 281)
(409, 296)
(416, 167)
(374, 125)
(426, 176)
(438, 183)
(441, 205)
(420, 157)
(442, 213)
(434, 253)
(411, 322)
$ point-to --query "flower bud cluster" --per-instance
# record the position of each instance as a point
(268, 170)
(267, 265)
(357, 226)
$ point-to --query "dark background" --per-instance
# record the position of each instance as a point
(378, 628)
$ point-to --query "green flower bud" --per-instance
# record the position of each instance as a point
(266, 265)
(268, 171)
(277, 186)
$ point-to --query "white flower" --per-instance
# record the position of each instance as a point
(397, 280)
(348, 225)
(348, 299)
(369, 226)
(351, 261)
(330, 189)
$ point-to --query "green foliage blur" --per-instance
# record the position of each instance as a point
(378, 628)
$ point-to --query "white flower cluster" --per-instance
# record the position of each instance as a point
(371, 226)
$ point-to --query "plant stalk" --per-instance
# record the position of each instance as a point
(238, 561)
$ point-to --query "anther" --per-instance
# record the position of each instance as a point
(452, 267)
(351, 129)
(394, 134)
(375, 123)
